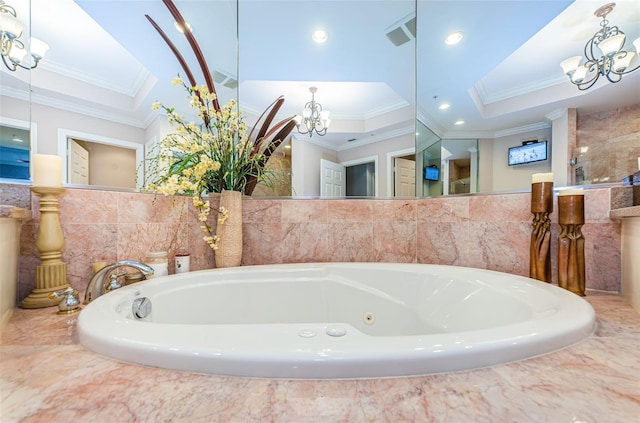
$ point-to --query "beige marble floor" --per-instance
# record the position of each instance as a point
(46, 376)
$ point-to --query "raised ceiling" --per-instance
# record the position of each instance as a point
(106, 59)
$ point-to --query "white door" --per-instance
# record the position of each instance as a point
(405, 180)
(332, 179)
(79, 167)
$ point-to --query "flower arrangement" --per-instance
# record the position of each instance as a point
(199, 159)
(216, 153)
(204, 158)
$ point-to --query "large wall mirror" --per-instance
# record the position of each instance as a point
(97, 89)
(383, 73)
(499, 82)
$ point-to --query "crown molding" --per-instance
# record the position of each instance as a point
(376, 138)
(70, 72)
(518, 91)
(522, 129)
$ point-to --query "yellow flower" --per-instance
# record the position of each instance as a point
(156, 105)
(176, 81)
(223, 215)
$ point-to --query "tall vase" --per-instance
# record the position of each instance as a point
(229, 232)
(540, 246)
(571, 264)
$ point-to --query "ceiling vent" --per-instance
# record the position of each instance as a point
(402, 31)
(221, 77)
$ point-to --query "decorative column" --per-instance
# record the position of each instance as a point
(571, 269)
(51, 274)
(541, 207)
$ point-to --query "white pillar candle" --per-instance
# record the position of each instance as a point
(47, 171)
(571, 191)
(541, 177)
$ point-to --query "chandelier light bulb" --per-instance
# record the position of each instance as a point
(611, 45)
(17, 53)
(10, 25)
(571, 64)
(622, 61)
(579, 75)
(38, 48)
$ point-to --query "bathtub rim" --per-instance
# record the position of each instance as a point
(518, 342)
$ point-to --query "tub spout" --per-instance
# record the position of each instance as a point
(95, 288)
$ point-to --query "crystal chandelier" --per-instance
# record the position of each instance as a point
(612, 63)
(313, 118)
(12, 48)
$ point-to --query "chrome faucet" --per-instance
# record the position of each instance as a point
(95, 288)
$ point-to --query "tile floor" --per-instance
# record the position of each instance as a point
(46, 376)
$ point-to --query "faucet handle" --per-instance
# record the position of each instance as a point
(70, 302)
(114, 283)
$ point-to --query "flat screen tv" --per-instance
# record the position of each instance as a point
(528, 153)
(432, 173)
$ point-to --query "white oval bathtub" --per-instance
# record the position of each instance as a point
(335, 320)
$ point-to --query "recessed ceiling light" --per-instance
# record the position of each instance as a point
(320, 36)
(459, 122)
(453, 38)
(179, 27)
(444, 106)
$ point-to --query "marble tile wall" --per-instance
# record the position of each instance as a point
(613, 141)
(482, 231)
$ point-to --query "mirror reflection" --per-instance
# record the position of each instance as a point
(490, 71)
(401, 100)
(14, 152)
(361, 72)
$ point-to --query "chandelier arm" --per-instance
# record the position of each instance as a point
(306, 128)
(7, 42)
(12, 66)
(35, 64)
(8, 9)
(588, 48)
(614, 80)
(588, 84)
